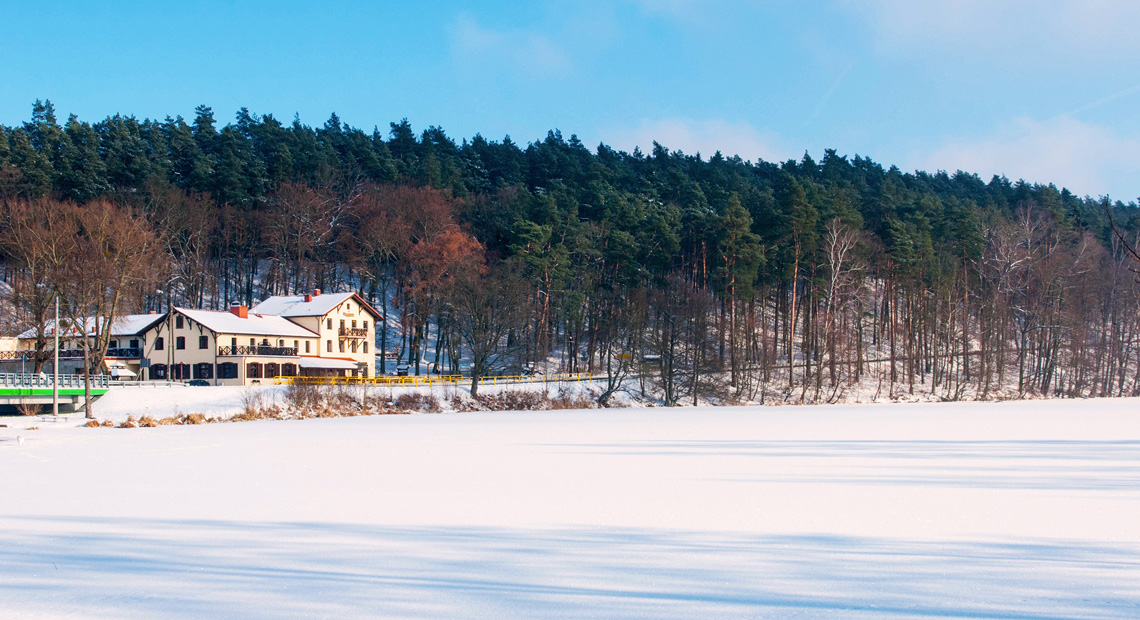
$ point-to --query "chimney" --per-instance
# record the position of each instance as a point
(316, 292)
(242, 312)
(308, 297)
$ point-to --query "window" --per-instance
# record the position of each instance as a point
(288, 370)
(342, 323)
(253, 370)
(159, 343)
(134, 343)
(203, 342)
(354, 325)
(112, 344)
(233, 345)
(181, 372)
(354, 346)
(204, 370)
(342, 346)
(365, 346)
(227, 370)
(330, 323)
(252, 342)
(280, 342)
(306, 346)
(271, 370)
(296, 345)
(328, 346)
(178, 324)
(366, 326)
(158, 371)
(180, 343)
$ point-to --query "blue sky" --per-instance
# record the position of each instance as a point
(1038, 89)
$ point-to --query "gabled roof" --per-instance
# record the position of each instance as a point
(126, 325)
(225, 322)
(319, 305)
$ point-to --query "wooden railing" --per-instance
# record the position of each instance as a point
(29, 354)
(353, 332)
(258, 350)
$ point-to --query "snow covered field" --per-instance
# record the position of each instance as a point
(1026, 511)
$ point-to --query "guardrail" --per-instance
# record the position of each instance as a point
(28, 380)
(434, 380)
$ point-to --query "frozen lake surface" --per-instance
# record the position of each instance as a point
(1024, 511)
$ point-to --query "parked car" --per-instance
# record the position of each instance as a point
(198, 382)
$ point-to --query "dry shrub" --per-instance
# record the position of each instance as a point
(130, 423)
(415, 401)
(147, 422)
(169, 421)
(32, 428)
(194, 418)
(28, 409)
(302, 396)
(108, 423)
(568, 399)
(513, 401)
(92, 424)
(252, 400)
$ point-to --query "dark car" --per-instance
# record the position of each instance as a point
(198, 382)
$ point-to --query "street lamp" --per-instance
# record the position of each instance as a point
(169, 344)
(55, 363)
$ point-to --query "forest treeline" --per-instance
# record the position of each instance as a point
(800, 280)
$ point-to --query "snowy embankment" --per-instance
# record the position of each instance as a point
(1024, 510)
(175, 400)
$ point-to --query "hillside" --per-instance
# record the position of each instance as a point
(732, 277)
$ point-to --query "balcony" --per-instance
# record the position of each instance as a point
(63, 354)
(353, 332)
(258, 350)
(129, 352)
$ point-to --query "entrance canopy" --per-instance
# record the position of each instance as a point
(327, 364)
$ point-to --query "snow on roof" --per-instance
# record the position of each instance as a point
(325, 362)
(127, 325)
(222, 321)
(295, 305)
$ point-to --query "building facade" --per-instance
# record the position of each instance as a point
(344, 323)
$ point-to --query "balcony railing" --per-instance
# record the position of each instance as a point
(258, 350)
(353, 332)
(29, 354)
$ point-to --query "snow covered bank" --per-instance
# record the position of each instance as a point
(1005, 510)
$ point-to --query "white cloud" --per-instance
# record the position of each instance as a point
(1020, 29)
(1086, 158)
(478, 49)
(705, 137)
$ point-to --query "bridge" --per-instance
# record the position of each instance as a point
(21, 390)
